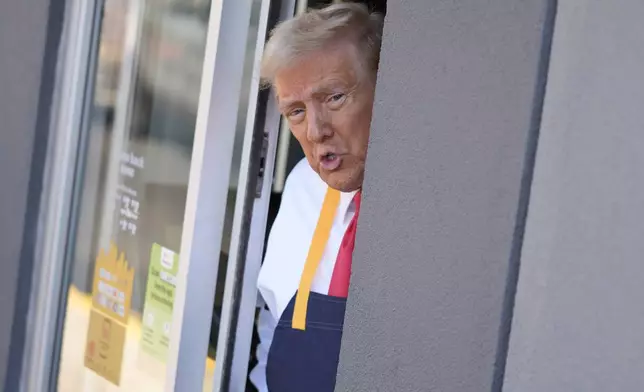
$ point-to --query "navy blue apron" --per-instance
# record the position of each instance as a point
(304, 354)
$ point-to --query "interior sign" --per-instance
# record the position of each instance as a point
(111, 299)
(159, 301)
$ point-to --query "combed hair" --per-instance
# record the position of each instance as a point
(318, 29)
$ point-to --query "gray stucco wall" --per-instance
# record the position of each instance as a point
(28, 43)
(579, 318)
(449, 167)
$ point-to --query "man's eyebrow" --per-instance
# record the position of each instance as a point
(285, 104)
(332, 84)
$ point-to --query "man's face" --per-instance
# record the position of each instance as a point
(327, 101)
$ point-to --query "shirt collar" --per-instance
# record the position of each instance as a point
(347, 208)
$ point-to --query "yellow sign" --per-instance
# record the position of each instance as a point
(113, 279)
(111, 299)
(105, 343)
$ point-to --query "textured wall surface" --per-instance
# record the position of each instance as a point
(452, 130)
(579, 319)
(28, 44)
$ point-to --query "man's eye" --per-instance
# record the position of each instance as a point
(336, 101)
(295, 113)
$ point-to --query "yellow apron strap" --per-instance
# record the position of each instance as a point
(320, 238)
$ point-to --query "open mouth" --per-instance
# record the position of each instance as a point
(330, 161)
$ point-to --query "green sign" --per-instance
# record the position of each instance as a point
(159, 301)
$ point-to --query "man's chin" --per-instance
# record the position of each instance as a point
(342, 182)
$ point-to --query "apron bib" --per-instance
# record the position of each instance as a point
(305, 351)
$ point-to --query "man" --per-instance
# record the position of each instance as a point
(322, 67)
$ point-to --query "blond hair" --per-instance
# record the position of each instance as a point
(317, 29)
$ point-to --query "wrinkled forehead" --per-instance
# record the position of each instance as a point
(322, 70)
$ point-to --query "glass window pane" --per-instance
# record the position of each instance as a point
(133, 195)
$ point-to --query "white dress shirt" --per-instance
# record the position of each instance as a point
(287, 249)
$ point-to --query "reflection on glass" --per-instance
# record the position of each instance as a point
(143, 113)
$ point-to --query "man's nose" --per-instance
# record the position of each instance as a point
(319, 126)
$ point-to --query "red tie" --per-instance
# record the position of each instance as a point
(342, 271)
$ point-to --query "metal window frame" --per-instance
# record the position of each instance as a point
(48, 297)
(261, 143)
(208, 185)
